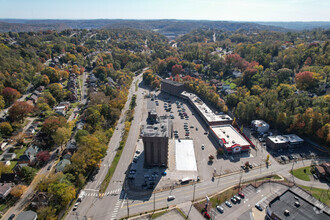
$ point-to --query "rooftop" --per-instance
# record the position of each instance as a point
(27, 215)
(204, 109)
(289, 201)
(185, 155)
(281, 139)
(229, 135)
(160, 129)
(174, 83)
(259, 123)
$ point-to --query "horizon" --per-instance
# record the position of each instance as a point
(210, 10)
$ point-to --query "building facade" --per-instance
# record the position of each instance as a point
(283, 142)
(172, 87)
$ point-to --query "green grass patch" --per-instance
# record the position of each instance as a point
(181, 213)
(19, 151)
(302, 173)
(136, 85)
(156, 215)
(222, 197)
(322, 195)
(12, 164)
(115, 161)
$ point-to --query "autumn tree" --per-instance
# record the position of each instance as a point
(52, 123)
(4, 168)
(46, 213)
(53, 74)
(2, 102)
(18, 190)
(306, 80)
(5, 128)
(43, 156)
(56, 90)
(19, 111)
(10, 95)
(176, 69)
(61, 135)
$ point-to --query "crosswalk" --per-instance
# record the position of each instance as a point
(117, 207)
(96, 194)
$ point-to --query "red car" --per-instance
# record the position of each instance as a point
(241, 195)
(206, 215)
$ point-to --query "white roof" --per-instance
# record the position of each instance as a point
(204, 109)
(230, 135)
(281, 139)
(259, 123)
(185, 155)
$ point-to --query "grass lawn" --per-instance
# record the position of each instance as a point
(321, 194)
(19, 151)
(300, 174)
(12, 164)
(157, 214)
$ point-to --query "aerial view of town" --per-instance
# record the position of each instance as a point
(165, 110)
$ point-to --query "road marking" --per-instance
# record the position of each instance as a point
(122, 204)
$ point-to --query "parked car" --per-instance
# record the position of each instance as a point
(203, 146)
(11, 217)
(220, 209)
(241, 195)
(233, 200)
(237, 198)
(206, 215)
(284, 158)
(315, 176)
(228, 204)
(259, 207)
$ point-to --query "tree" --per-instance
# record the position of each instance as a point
(53, 74)
(211, 158)
(305, 80)
(18, 190)
(27, 174)
(2, 102)
(52, 123)
(10, 95)
(48, 98)
(43, 156)
(80, 134)
(284, 75)
(176, 69)
(19, 111)
(56, 90)
(46, 213)
(61, 135)
(4, 169)
(5, 128)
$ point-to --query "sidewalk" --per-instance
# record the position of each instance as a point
(189, 210)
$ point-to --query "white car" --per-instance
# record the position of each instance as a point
(170, 198)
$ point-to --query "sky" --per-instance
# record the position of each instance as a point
(230, 10)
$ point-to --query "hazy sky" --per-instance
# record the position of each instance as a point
(237, 10)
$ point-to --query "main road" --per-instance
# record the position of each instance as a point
(107, 207)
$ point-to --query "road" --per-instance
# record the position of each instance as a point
(92, 205)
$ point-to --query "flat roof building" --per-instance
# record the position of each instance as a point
(172, 87)
(185, 155)
(260, 126)
(291, 205)
(205, 112)
(283, 141)
(155, 141)
(229, 139)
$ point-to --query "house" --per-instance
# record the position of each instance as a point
(9, 156)
(27, 215)
(237, 73)
(40, 199)
(40, 88)
(34, 99)
(5, 190)
(28, 159)
(18, 167)
(6, 163)
(67, 156)
(4, 146)
(8, 177)
(323, 170)
(30, 131)
(32, 150)
(61, 165)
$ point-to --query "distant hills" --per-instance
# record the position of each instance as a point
(166, 27)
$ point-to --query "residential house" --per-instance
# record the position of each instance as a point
(40, 199)
(8, 177)
(18, 167)
(5, 190)
(26, 159)
(34, 99)
(30, 131)
(40, 88)
(4, 145)
(32, 150)
(61, 165)
(9, 156)
(323, 170)
(27, 215)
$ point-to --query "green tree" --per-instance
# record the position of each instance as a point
(56, 90)
(27, 174)
(53, 74)
(5, 128)
(46, 213)
(61, 135)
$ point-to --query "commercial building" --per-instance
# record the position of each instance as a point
(185, 155)
(291, 205)
(283, 141)
(155, 141)
(260, 126)
(172, 87)
(205, 112)
(229, 139)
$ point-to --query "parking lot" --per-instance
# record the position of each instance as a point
(252, 196)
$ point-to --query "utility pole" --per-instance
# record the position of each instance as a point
(154, 202)
(194, 191)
